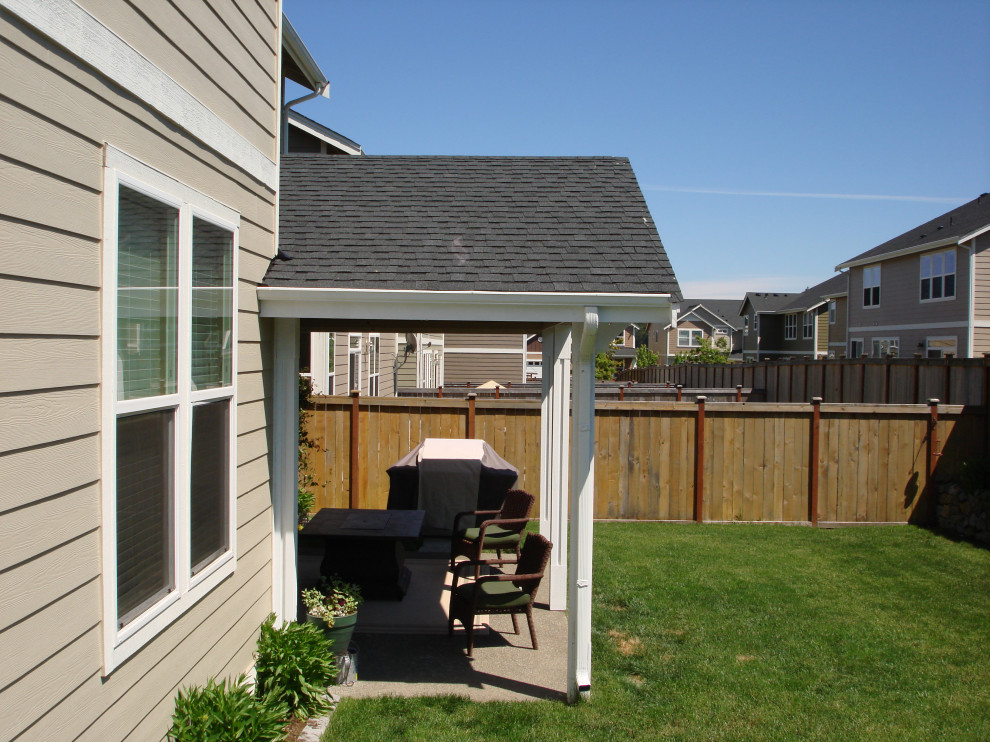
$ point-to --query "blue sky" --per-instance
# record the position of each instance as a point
(879, 110)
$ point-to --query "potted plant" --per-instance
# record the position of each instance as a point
(333, 607)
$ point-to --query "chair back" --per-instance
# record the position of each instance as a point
(517, 504)
(533, 561)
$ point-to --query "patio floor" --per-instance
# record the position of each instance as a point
(404, 650)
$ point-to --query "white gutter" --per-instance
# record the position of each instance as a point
(899, 253)
(300, 54)
(469, 306)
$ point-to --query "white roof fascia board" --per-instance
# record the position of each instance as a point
(300, 54)
(322, 133)
(815, 306)
(87, 38)
(973, 235)
(899, 253)
(469, 306)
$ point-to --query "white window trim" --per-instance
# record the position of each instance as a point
(942, 275)
(892, 339)
(372, 374)
(790, 327)
(121, 643)
(692, 333)
(831, 311)
(351, 385)
(331, 358)
(878, 285)
(808, 326)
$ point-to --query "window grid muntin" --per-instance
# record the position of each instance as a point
(808, 326)
(790, 327)
(937, 273)
(871, 286)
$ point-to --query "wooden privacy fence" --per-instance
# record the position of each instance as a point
(963, 381)
(674, 461)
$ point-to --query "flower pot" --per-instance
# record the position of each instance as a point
(340, 632)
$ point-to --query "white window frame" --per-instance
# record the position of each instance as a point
(871, 284)
(790, 327)
(808, 326)
(925, 264)
(831, 311)
(331, 361)
(942, 349)
(119, 643)
(692, 334)
(746, 325)
(892, 342)
(856, 346)
(374, 364)
(352, 383)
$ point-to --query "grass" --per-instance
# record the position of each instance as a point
(745, 632)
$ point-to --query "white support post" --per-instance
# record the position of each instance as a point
(582, 509)
(555, 427)
(285, 468)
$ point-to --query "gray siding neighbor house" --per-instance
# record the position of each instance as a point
(763, 325)
(926, 291)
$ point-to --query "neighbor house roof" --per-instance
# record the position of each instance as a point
(766, 302)
(817, 294)
(514, 224)
(951, 228)
(726, 310)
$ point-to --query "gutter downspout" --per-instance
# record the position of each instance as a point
(322, 90)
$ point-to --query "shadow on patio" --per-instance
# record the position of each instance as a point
(404, 649)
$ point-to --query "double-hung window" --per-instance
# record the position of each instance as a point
(790, 327)
(689, 338)
(938, 275)
(374, 367)
(168, 401)
(831, 312)
(871, 286)
(808, 326)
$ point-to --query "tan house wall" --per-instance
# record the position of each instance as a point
(837, 330)
(57, 114)
(477, 358)
(822, 321)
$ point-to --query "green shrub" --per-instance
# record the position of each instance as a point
(646, 357)
(224, 712)
(295, 664)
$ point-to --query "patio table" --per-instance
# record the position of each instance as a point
(365, 547)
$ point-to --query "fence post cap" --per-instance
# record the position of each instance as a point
(933, 401)
(700, 399)
(472, 395)
(680, 386)
(355, 392)
(816, 400)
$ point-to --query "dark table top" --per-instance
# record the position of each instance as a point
(365, 524)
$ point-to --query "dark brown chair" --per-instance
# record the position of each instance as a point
(501, 532)
(501, 593)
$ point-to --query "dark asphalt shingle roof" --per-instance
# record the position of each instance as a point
(725, 309)
(956, 223)
(767, 301)
(817, 293)
(551, 224)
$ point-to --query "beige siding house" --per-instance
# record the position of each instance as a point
(925, 291)
(137, 208)
(339, 362)
(696, 319)
(477, 358)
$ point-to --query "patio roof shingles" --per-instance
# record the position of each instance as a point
(508, 224)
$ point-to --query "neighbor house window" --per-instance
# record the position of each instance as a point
(790, 327)
(374, 365)
(689, 338)
(746, 325)
(808, 326)
(938, 275)
(883, 347)
(856, 348)
(831, 312)
(170, 304)
(330, 362)
(939, 347)
(871, 286)
(354, 362)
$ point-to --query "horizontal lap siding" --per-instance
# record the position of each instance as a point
(57, 114)
(478, 368)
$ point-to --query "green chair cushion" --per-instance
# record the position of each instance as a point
(494, 594)
(495, 537)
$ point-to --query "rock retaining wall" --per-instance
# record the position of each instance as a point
(966, 513)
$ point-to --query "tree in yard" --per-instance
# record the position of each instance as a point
(646, 357)
(706, 352)
(606, 365)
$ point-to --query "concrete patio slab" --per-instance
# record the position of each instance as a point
(404, 650)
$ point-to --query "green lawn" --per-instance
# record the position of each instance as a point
(747, 632)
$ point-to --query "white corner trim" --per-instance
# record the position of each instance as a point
(83, 35)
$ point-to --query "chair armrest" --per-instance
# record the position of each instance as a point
(501, 522)
(472, 512)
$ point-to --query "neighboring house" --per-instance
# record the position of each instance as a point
(837, 307)
(481, 357)
(696, 319)
(763, 325)
(534, 358)
(138, 211)
(926, 291)
(339, 362)
(808, 319)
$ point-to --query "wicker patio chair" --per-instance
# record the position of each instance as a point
(501, 593)
(501, 532)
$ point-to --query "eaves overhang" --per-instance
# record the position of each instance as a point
(293, 44)
(873, 259)
(462, 306)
